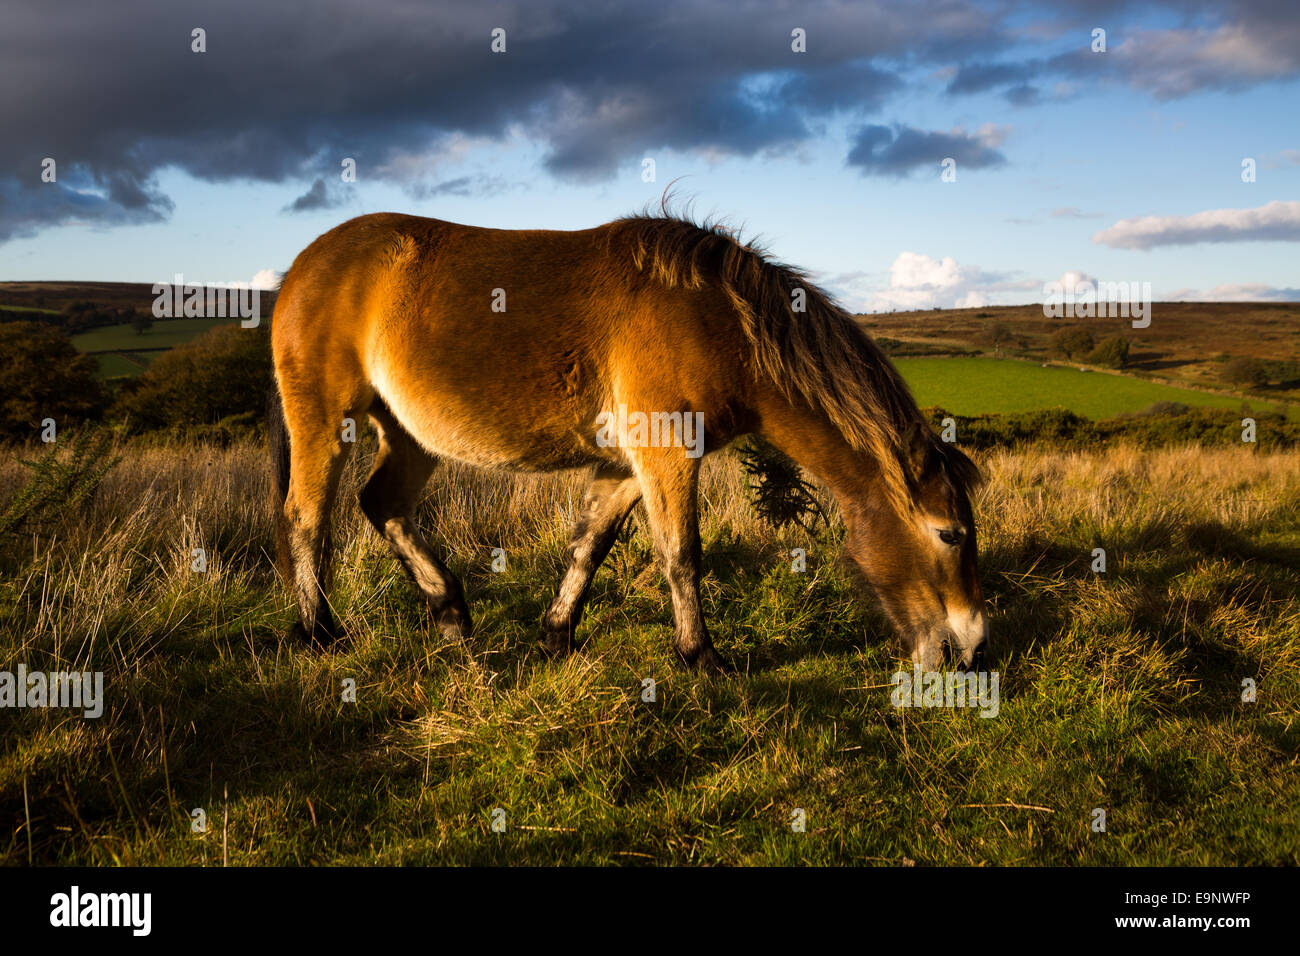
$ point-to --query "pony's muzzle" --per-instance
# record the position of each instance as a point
(969, 638)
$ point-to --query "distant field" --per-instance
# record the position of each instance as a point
(28, 308)
(165, 334)
(974, 386)
(1187, 343)
(121, 351)
(114, 364)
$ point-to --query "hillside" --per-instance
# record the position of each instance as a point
(1182, 355)
(96, 316)
(1187, 343)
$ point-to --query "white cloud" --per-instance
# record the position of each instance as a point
(917, 281)
(1073, 212)
(1277, 220)
(1072, 279)
(265, 279)
(1237, 292)
(1288, 157)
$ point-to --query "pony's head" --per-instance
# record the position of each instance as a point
(918, 551)
(842, 409)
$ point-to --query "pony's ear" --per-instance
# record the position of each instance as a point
(962, 469)
(920, 446)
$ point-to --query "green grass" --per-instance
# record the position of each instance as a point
(1119, 691)
(114, 364)
(121, 351)
(974, 386)
(165, 334)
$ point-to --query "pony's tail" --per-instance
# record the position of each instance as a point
(277, 433)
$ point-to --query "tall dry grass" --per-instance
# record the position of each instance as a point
(1121, 689)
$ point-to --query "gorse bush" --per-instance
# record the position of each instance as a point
(778, 491)
(59, 486)
(1167, 423)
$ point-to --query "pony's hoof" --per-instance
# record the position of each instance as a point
(321, 636)
(454, 621)
(557, 643)
(707, 659)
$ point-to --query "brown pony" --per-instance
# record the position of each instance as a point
(540, 350)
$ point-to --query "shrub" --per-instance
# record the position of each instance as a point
(997, 334)
(1073, 343)
(778, 490)
(1064, 429)
(1157, 409)
(224, 372)
(42, 375)
(1250, 372)
(1110, 353)
(56, 488)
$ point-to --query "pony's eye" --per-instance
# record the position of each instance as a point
(952, 537)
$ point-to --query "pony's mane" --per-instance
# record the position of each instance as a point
(820, 355)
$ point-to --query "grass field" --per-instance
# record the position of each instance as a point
(975, 386)
(1119, 691)
(165, 334)
(114, 364)
(29, 308)
(1186, 342)
(120, 350)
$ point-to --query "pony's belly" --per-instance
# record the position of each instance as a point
(493, 437)
(487, 450)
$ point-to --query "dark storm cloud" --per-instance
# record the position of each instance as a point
(285, 91)
(318, 197)
(978, 77)
(842, 86)
(1022, 95)
(113, 199)
(882, 151)
(1012, 78)
(461, 186)
(1213, 47)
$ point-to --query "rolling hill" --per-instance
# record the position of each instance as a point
(950, 357)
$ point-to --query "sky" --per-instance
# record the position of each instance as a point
(907, 155)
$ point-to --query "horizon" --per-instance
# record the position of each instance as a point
(936, 308)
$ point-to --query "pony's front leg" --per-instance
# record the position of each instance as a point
(613, 494)
(669, 487)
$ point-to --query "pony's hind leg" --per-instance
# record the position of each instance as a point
(317, 455)
(670, 487)
(613, 493)
(388, 500)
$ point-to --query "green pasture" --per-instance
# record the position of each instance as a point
(165, 334)
(977, 386)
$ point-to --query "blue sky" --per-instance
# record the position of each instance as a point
(172, 161)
